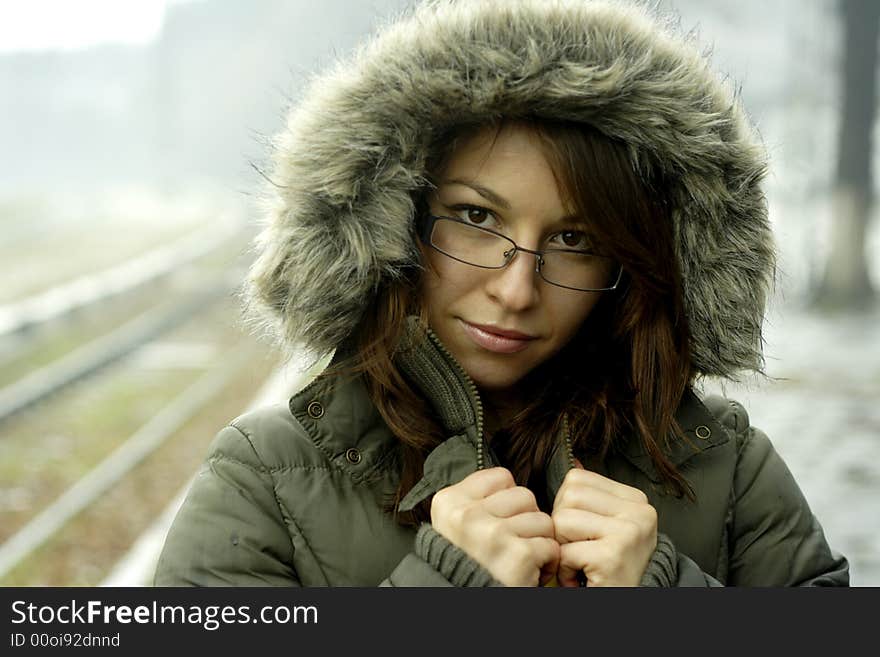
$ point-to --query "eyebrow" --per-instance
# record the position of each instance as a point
(500, 201)
(485, 192)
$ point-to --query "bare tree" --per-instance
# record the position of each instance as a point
(846, 283)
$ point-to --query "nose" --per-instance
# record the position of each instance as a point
(516, 286)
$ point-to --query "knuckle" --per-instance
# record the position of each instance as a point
(528, 497)
(468, 513)
(630, 531)
(547, 524)
(577, 476)
(559, 516)
(650, 515)
(612, 560)
(457, 516)
(564, 516)
(501, 476)
(519, 552)
(644, 519)
(440, 499)
(495, 533)
(440, 506)
(564, 497)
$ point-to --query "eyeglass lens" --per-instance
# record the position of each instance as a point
(482, 248)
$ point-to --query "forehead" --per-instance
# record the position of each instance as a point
(511, 161)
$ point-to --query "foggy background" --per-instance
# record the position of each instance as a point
(149, 134)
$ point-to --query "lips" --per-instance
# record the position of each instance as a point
(504, 333)
(498, 340)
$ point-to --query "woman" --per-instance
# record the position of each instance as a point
(526, 228)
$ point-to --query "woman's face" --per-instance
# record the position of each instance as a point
(508, 187)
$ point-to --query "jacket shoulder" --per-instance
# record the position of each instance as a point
(730, 413)
(754, 449)
(329, 424)
(775, 538)
(269, 438)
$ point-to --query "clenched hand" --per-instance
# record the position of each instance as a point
(604, 528)
(499, 525)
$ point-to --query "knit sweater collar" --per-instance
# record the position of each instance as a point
(436, 373)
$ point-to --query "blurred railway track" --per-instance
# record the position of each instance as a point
(123, 278)
(24, 324)
(96, 439)
(137, 566)
(117, 464)
(93, 355)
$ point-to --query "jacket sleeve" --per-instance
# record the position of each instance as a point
(773, 537)
(229, 530)
(437, 562)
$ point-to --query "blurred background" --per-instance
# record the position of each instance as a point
(133, 133)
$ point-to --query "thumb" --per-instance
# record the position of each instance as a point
(567, 576)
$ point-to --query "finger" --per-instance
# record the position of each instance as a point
(578, 525)
(548, 572)
(567, 570)
(510, 501)
(483, 483)
(574, 525)
(546, 553)
(594, 479)
(603, 563)
(580, 557)
(590, 498)
(530, 525)
(577, 476)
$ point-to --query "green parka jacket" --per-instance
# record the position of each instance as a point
(292, 495)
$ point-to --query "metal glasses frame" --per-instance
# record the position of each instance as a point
(425, 228)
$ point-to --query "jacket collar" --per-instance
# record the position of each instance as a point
(435, 372)
(700, 428)
(454, 397)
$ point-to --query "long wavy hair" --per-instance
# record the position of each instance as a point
(621, 377)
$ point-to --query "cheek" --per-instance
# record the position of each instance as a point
(569, 314)
(443, 282)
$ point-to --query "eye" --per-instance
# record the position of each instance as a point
(572, 239)
(474, 214)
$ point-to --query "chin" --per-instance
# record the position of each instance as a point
(495, 378)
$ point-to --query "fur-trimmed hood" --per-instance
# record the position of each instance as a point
(354, 150)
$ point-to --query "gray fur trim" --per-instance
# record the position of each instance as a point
(354, 150)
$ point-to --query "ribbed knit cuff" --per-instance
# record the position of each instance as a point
(450, 560)
(662, 569)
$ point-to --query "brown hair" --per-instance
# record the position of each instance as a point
(625, 371)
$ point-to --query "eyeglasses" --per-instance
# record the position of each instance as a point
(573, 269)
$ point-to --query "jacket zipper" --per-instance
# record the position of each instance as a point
(472, 390)
(567, 437)
(478, 404)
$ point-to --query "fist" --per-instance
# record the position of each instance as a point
(499, 525)
(605, 529)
